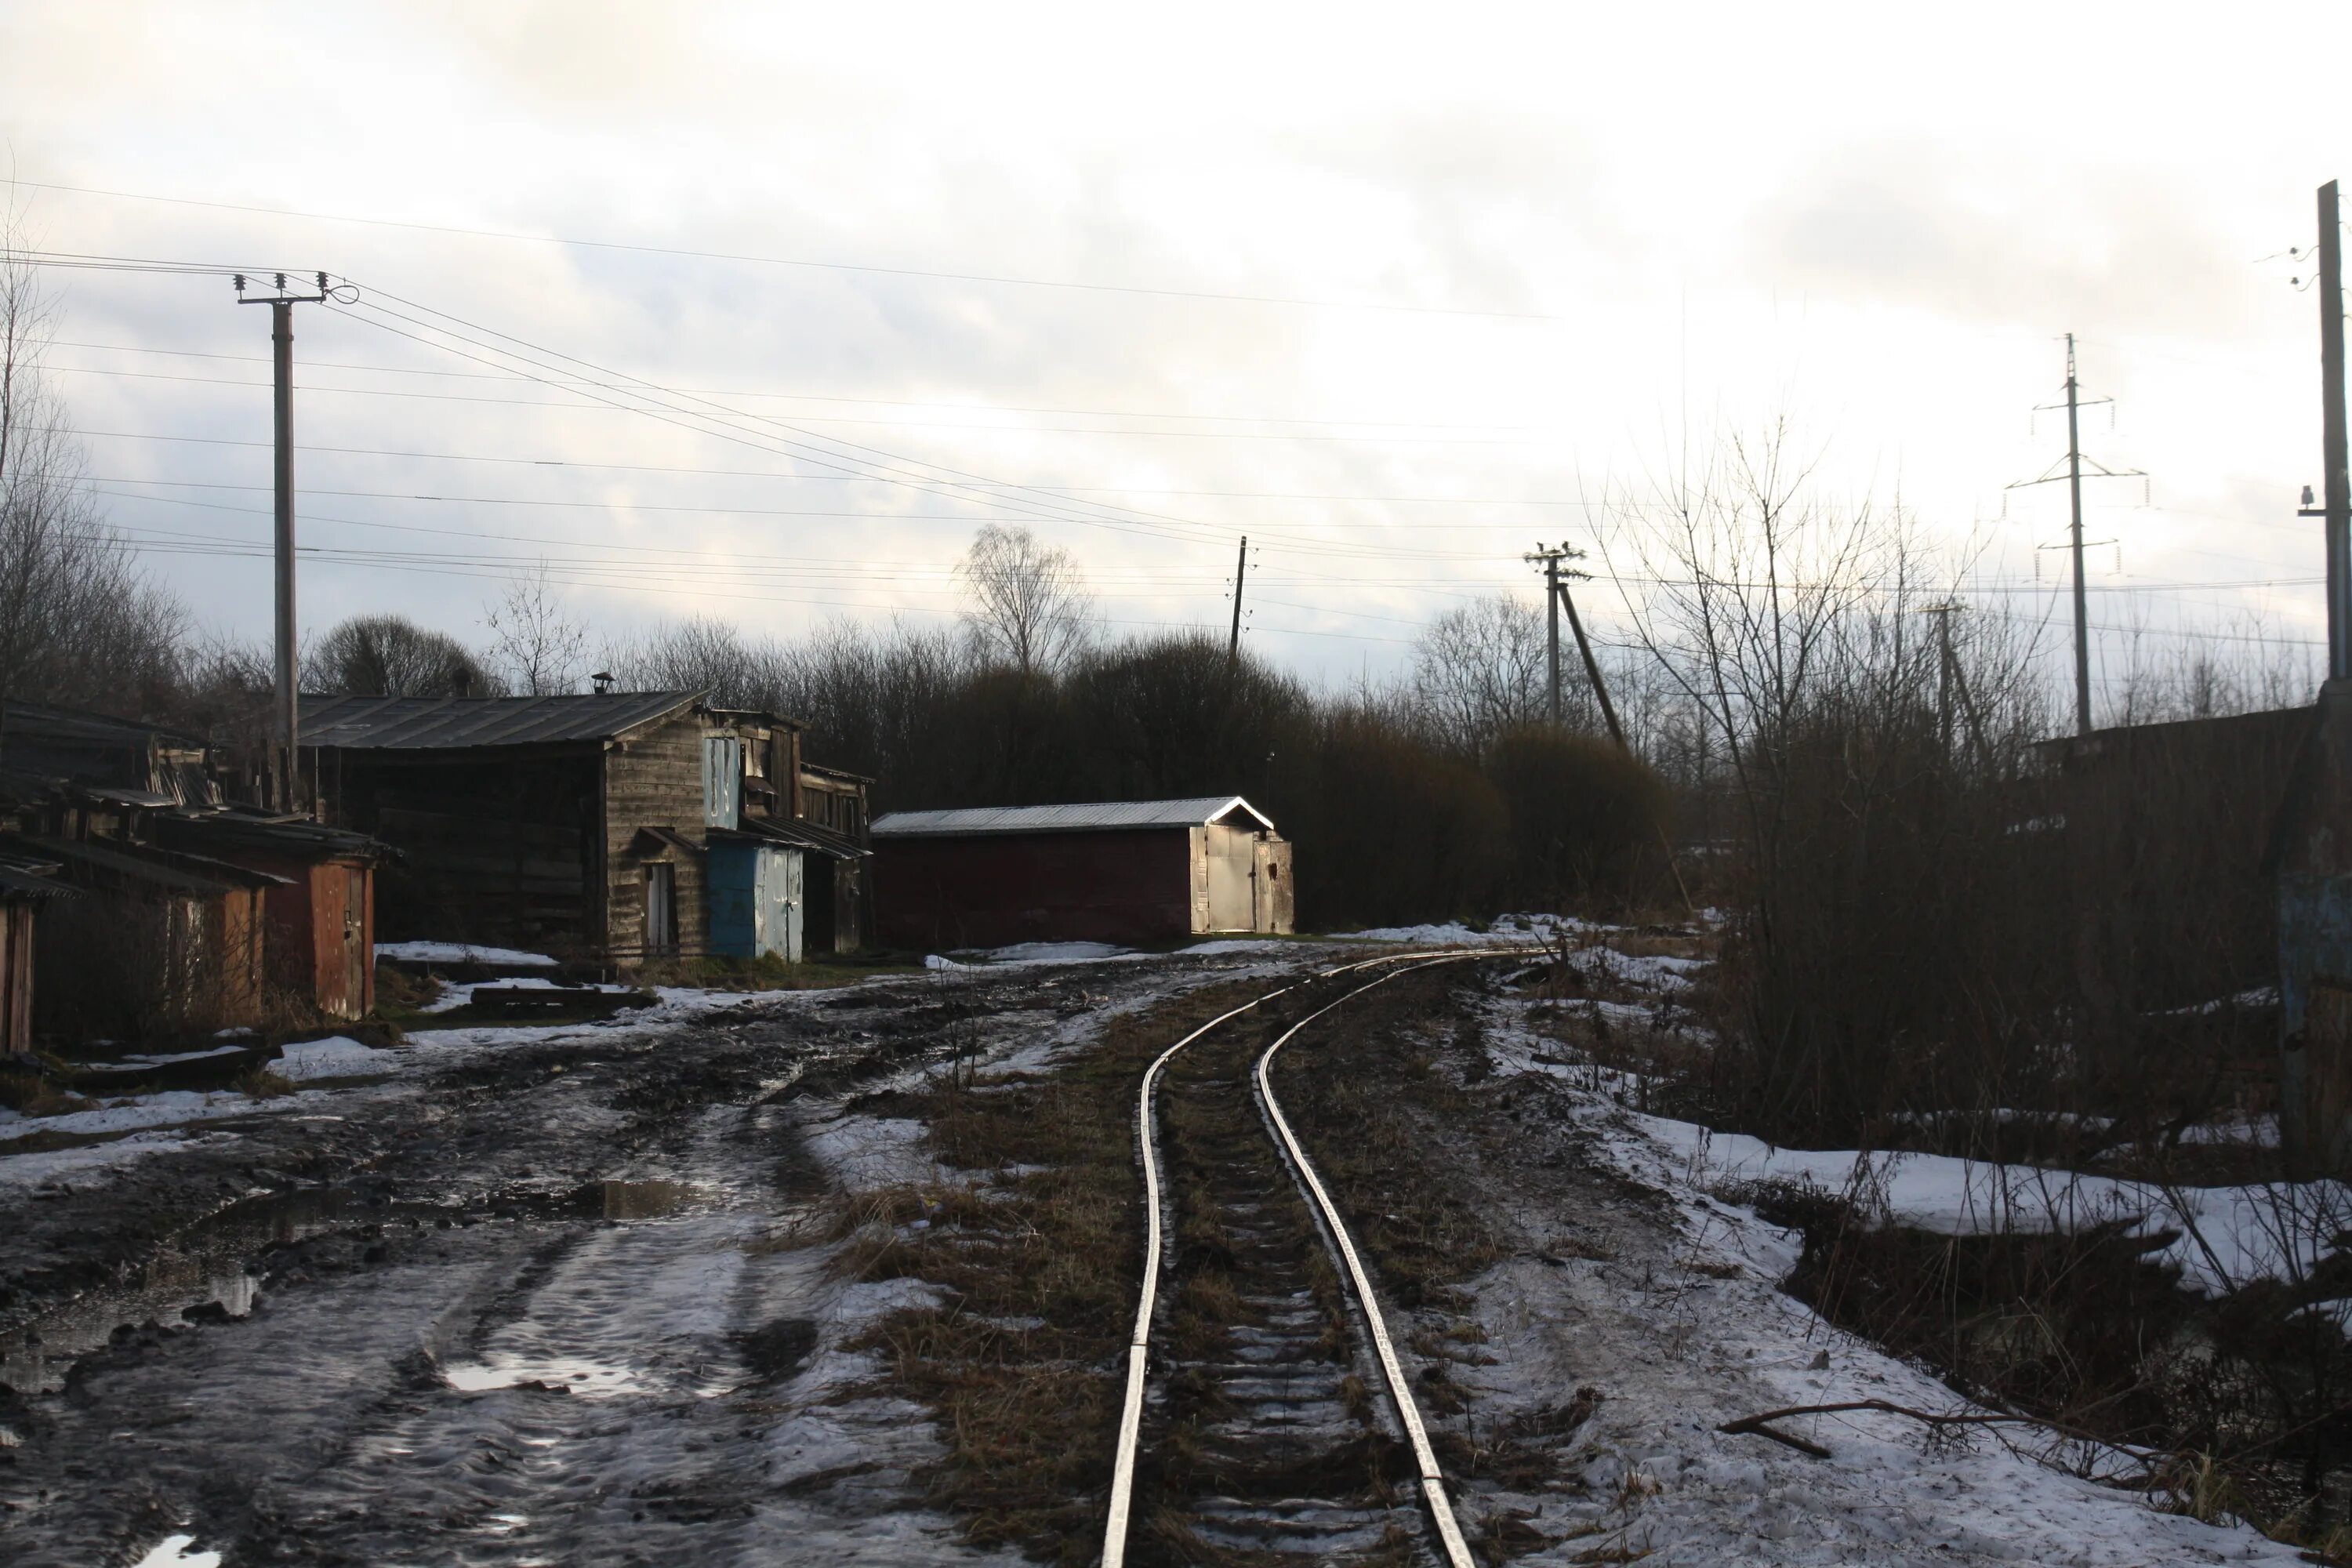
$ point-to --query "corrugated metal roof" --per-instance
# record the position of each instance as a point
(452, 723)
(290, 837)
(800, 833)
(34, 721)
(1100, 817)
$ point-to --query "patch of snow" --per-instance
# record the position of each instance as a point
(20, 1174)
(1223, 945)
(173, 1552)
(336, 1056)
(867, 1152)
(172, 1108)
(2244, 1001)
(1053, 953)
(133, 1065)
(1681, 1327)
(933, 960)
(2227, 1235)
(460, 952)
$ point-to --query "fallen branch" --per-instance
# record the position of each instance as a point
(1760, 1426)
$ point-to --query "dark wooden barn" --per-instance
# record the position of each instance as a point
(1120, 871)
(577, 826)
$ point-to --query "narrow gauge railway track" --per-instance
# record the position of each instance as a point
(1270, 1441)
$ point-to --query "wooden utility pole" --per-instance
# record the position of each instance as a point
(2335, 483)
(1591, 666)
(286, 772)
(1240, 570)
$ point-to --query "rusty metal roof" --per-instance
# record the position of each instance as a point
(1100, 817)
(455, 723)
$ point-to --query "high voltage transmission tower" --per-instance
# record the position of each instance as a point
(2073, 474)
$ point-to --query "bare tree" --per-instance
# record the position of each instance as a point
(390, 655)
(1479, 670)
(1030, 605)
(701, 654)
(78, 624)
(538, 646)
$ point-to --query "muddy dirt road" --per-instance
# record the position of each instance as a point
(538, 1306)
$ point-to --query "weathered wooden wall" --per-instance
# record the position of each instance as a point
(500, 850)
(17, 918)
(654, 779)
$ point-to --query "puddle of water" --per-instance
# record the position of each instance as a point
(586, 1378)
(646, 1199)
(204, 1266)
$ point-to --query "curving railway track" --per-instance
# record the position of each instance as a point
(1266, 1415)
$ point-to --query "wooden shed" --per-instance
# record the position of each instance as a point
(321, 917)
(577, 826)
(1121, 871)
(155, 944)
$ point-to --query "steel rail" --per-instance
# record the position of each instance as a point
(1139, 1350)
(1433, 1479)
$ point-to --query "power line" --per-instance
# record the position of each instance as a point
(999, 278)
(803, 396)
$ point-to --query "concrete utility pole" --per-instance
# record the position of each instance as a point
(286, 771)
(2081, 601)
(2074, 476)
(2336, 484)
(1946, 669)
(1550, 557)
(1240, 570)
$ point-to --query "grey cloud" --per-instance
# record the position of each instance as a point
(2104, 250)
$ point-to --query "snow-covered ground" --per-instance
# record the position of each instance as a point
(461, 952)
(2224, 1236)
(138, 1126)
(1684, 1328)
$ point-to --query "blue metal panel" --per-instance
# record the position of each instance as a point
(755, 899)
(732, 873)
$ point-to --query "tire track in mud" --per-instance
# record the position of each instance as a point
(1264, 1442)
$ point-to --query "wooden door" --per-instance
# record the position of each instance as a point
(357, 959)
(1230, 853)
(790, 866)
(661, 907)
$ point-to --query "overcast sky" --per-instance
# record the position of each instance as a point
(1472, 270)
